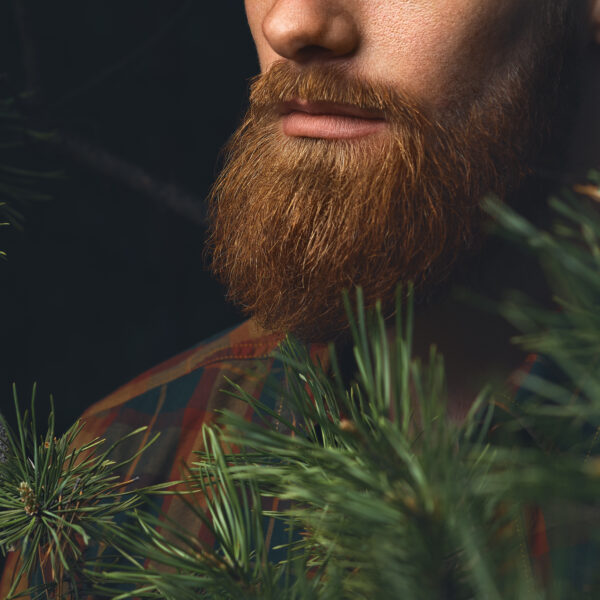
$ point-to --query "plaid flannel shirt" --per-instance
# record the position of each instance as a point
(179, 396)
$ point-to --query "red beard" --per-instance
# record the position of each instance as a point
(296, 220)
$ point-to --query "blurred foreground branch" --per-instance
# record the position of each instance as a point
(131, 176)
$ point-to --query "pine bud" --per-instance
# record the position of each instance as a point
(348, 426)
(28, 498)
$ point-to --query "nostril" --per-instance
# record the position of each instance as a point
(310, 52)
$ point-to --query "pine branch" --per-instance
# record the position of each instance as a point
(56, 498)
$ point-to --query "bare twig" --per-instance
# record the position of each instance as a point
(135, 178)
(90, 155)
(28, 51)
(126, 60)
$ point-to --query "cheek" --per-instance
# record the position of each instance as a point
(415, 52)
(437, 50)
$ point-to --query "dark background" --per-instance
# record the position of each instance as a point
(107, 279)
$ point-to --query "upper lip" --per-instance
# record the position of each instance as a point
(328, 108)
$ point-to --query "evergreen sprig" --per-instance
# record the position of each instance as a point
(381, 480)
(57, 497)
(236, 568)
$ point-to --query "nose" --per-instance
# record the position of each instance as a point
(301, 30)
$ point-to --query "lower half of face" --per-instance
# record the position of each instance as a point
(335, 181)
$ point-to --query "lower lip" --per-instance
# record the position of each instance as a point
(341, 127)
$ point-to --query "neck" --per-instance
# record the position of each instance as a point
(476, 344)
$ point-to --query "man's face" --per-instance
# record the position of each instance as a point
(373, 133)
(436, 51)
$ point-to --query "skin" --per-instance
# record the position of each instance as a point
(438, 51)
(441, 52)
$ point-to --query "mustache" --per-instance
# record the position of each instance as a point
(284, 82)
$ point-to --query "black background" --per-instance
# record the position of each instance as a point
(105, 282)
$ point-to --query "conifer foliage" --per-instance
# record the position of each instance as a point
(382, 495)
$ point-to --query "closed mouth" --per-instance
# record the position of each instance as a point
(329, 120)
